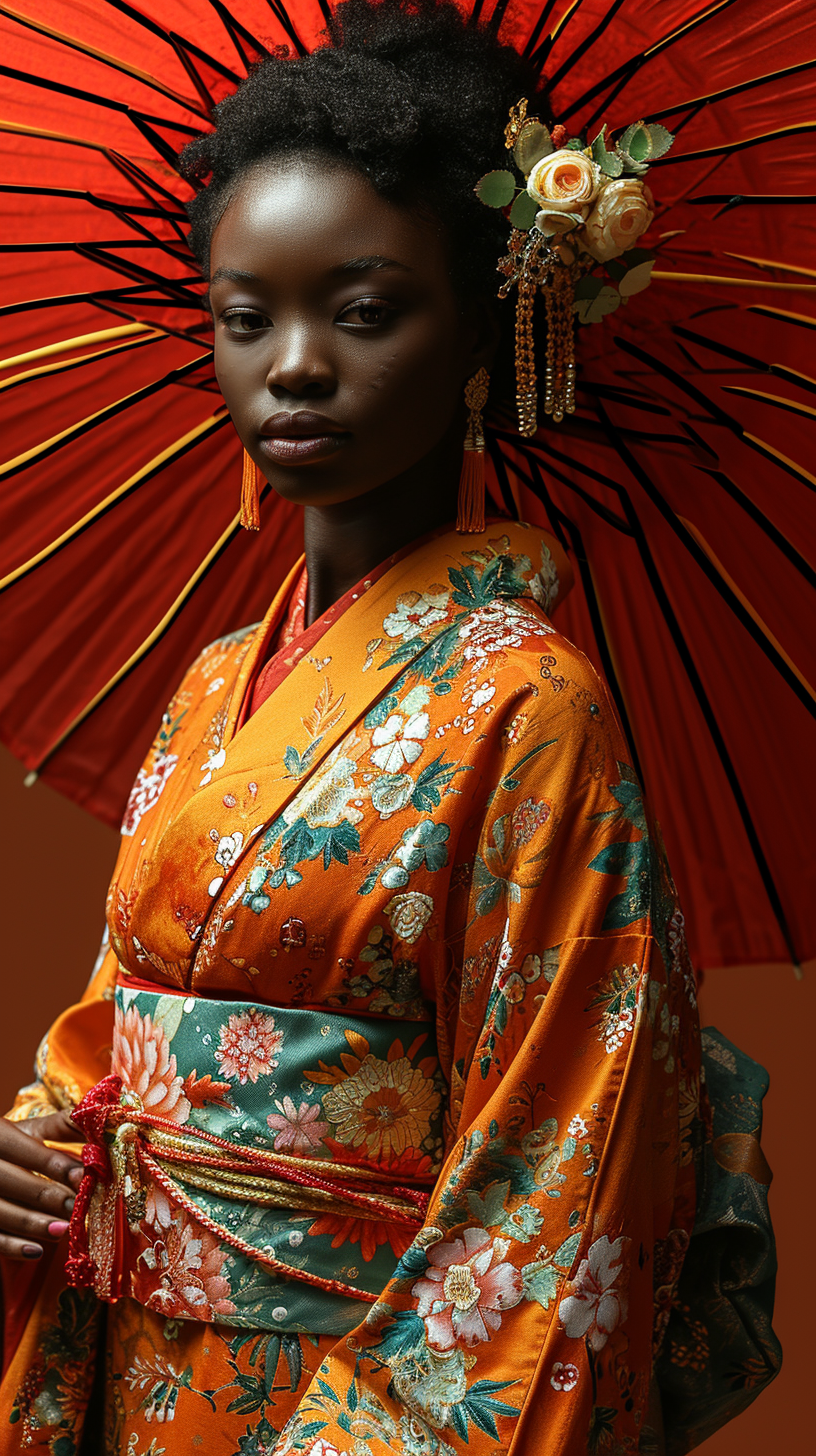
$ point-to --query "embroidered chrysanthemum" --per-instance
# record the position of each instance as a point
(384, 1108)
(248, 1046)
(142, 1058)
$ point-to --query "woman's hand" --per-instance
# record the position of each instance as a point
(34, 1210)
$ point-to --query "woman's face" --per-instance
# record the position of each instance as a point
(341, 349)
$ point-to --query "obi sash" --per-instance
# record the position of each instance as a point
(255, 1166)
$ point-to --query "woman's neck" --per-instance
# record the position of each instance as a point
(344, 542)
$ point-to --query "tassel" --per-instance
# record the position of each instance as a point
(471, 505)
(91, 1116)
(250, 495)
(471, 513)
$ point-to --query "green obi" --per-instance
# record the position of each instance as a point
(251, 1144)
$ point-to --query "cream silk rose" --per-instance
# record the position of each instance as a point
(564, 184)
(622, 212)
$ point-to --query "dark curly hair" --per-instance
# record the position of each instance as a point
(410, 92)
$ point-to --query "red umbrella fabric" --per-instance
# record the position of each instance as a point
(682, 487)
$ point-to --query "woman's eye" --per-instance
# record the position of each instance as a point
(370, 312)
(245, 321)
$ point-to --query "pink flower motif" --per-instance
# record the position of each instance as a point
(248, 1046)
(297, 1129)
(595, 1307)
(142, 1058)
(465, 1291)
(563, 1377)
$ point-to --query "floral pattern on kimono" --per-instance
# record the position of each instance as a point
(432, 820)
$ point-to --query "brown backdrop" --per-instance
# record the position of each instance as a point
(55, 869)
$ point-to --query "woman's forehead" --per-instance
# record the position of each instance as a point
(314, 215)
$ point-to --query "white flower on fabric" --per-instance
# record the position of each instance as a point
(596, 1307)
(482, 695)
(414, 612)
(229, 848)
(397, 742)
(217, 682)
(215, 760)
(578, 1128)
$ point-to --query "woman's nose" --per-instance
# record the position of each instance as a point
(299, 365)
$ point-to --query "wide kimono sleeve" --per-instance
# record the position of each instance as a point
(527, 1312)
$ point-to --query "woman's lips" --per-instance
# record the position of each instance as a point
(293, 449)
(290, 438)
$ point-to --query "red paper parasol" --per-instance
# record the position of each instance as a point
(681, 486)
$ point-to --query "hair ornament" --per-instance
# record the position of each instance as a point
(574, 225)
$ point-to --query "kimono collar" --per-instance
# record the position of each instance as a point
(418, 605)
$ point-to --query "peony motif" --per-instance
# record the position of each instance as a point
(147, 791)
(564, 184)
(142, 1058)
(414, 612)
(399, 741)
(385, 1108)
(466, 1289)
(297, 1129)
(408, 915)
(623, 211)
(249, 1045)
(595, 1307)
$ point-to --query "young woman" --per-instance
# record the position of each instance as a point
(394, 1152)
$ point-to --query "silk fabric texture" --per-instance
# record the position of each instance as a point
(430, 819)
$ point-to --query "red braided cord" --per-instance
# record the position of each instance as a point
(333, 1286)
(100, 1108)
(256, 1158)
(91, 1116)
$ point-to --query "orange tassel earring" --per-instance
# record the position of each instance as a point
(250, 495)
(471, 511)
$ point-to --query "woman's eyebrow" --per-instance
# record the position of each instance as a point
(234, 275)
(364, 265)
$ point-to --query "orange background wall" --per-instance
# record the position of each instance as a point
(56, 862)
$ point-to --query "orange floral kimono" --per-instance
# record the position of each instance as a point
(389, 1068)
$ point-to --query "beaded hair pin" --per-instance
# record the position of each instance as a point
(581, 208)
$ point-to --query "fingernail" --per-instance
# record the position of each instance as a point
(57, 1228)
(32, 1251)
(75, 1177)
(69, 1203)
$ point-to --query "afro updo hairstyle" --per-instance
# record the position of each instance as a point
(412, 94)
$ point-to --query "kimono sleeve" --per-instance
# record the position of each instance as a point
(75, 1052)
(525, 1315)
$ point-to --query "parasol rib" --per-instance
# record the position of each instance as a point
(106, 60)
(690, 668)
(66, 366)
(91, 422)
(146, 646)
